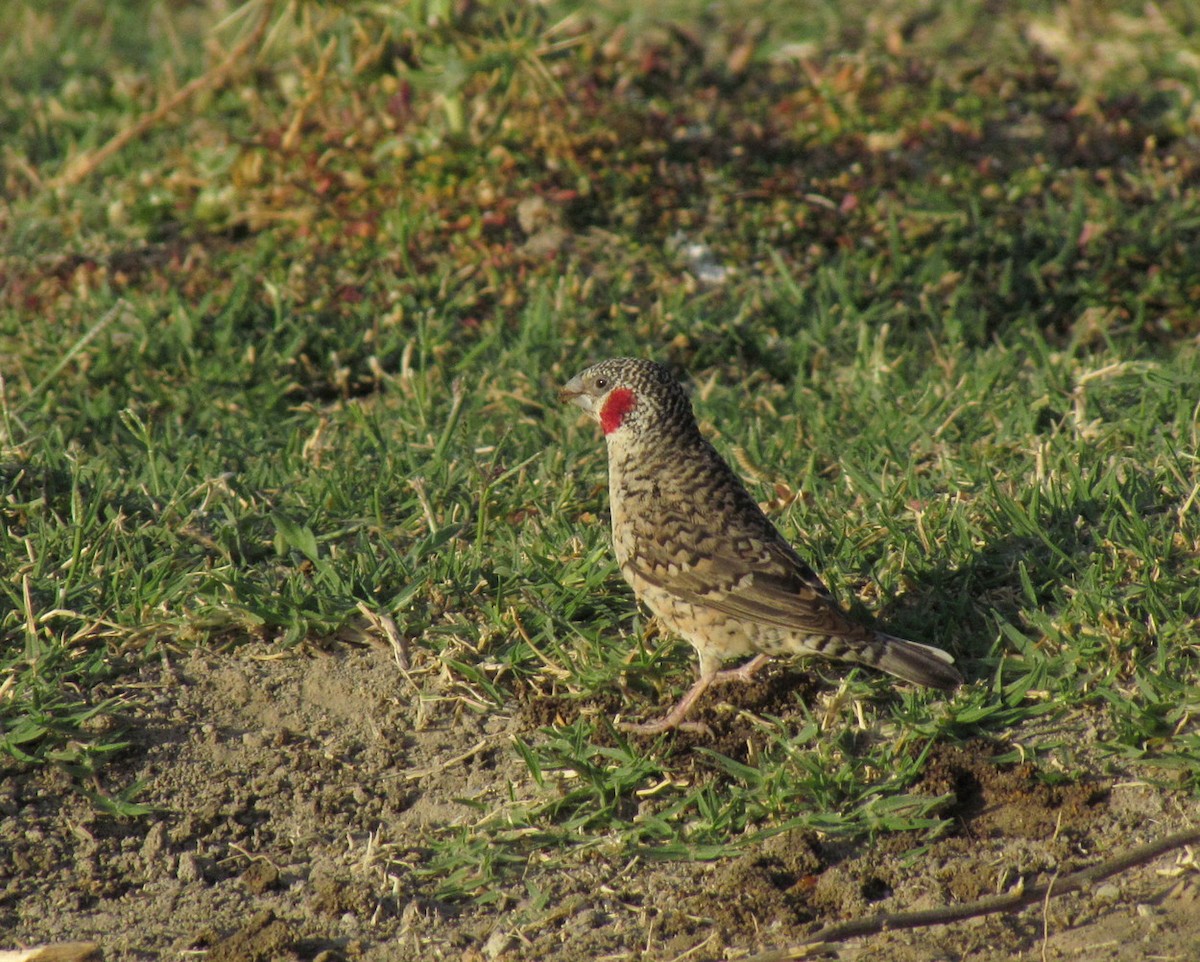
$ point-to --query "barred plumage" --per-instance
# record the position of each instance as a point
(702, 556)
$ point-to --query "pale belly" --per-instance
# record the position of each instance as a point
(716, 637)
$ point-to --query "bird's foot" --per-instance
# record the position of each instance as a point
(660, 726)
(742, 672)
(675, 717)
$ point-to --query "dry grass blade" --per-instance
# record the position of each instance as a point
(81, 167)
(62, 952)
(1010, 902)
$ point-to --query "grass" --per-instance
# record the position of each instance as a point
(292, 357)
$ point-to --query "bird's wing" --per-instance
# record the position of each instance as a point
(749, 575)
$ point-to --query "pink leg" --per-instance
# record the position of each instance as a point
(675, 717)
(742, 672)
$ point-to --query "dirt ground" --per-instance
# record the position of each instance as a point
(296, 792)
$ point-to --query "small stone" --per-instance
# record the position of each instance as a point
(1107, 893)
(155, 841)
(260, 877)
(497, 944)
(189, 869)
(100, 724)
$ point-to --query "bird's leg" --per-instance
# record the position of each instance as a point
(742, 672)
(708, 676)
(673, 718)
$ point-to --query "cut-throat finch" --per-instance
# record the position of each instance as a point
(702, 556)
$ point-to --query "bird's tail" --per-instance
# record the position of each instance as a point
(912, 661)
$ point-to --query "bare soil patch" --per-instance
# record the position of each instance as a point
(298, 793)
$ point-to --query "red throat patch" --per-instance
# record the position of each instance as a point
(619, 402)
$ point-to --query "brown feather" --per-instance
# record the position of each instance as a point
(700, 553)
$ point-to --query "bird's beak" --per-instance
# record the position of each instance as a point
(573, 392)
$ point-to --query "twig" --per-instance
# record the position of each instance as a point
(1009, 902)
(82, 166)
(1046, 916)
(481, 745)
(386, 626)
(60, 952)
(89, 335)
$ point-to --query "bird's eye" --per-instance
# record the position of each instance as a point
(601, 383)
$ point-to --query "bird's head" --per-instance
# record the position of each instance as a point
(629, 395)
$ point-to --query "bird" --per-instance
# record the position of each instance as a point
(702, 556)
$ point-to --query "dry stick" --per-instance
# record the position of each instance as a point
(60, 952)
(80, 167)
(89, 335)
(1010, 902)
